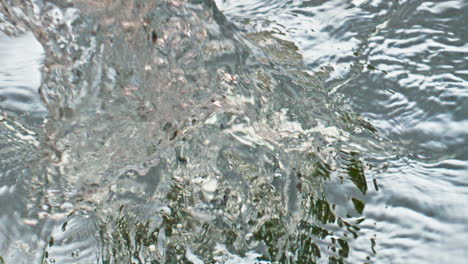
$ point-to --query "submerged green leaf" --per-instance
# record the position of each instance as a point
(358, 205)
(355, 171)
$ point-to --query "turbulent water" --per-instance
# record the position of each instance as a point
(257, 131)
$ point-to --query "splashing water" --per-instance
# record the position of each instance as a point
(167, 134)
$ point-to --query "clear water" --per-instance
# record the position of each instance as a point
(256, 131)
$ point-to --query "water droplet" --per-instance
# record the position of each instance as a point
(75, 253)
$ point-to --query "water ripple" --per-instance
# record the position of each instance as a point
(260, 132)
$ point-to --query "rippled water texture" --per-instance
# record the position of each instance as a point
(227, 131)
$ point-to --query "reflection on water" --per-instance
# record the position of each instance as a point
(264, 132)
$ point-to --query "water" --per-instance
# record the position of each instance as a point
(233, 132)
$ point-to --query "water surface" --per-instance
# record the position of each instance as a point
(233, 131)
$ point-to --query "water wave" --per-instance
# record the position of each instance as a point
(172, 134)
